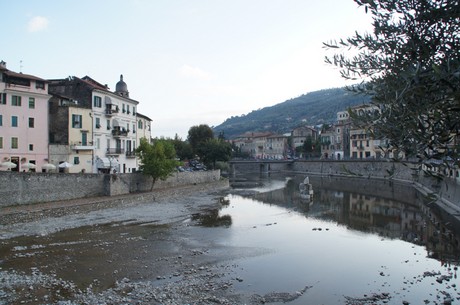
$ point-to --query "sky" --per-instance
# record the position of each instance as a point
(187, 62)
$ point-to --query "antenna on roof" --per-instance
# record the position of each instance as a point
(20, 66)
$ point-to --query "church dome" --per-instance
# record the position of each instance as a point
(121, 88)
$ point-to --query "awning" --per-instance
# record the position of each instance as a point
(106, 163)
(115, 123)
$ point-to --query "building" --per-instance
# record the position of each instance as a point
(113, 117)
(23, 120)
(276, 147)
(253, 144)
(70, 136)
(300, 134)
(144, 129)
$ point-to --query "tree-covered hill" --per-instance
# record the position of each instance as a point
(313, 108)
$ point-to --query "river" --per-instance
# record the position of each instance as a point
(355, 242)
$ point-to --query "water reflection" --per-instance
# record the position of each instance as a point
(212, 219)
(387, 209)
(355, 238)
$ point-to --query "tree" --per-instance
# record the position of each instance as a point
(197, 137)
(216, 150)
(158, 160)
(183, 149)
(410, 66)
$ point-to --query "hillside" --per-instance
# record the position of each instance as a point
(313, 108)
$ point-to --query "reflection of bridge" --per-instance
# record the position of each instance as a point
(260, 166)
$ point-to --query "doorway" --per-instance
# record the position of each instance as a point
(15, 160)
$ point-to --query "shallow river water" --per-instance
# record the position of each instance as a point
(355, 242)
(346, 245)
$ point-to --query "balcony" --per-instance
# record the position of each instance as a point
(111, 110)
(130, 154)
(119, 132)
(115, 151)
(82, 146)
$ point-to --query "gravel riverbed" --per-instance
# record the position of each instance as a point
(138, 249)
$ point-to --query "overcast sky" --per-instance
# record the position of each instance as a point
(187, 62)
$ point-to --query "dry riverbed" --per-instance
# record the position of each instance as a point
(122, 251)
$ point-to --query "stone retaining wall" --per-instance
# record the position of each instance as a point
(18, 188)
(448, 189)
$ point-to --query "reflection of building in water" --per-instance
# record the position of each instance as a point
(442, 237)
(386, 217)
(413, 221)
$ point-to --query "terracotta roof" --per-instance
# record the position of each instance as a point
(21, 75)
(94, 83)
(144, 116)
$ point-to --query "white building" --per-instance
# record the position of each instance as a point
(113, 119)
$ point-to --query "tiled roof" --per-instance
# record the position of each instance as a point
(22, 75)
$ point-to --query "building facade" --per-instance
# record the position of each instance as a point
(70, 136)
(112, 138)
(276, 147)
(300, 134)
(23, 121)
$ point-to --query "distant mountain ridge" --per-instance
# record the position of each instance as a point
(314, 108)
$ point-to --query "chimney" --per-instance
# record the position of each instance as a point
(2, 64)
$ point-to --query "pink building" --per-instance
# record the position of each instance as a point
(23, 121)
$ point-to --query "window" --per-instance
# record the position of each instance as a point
(76, 160)
(123, 108)
(98, 123)
(16, 100)
(127, 109)
(1, 142)
(3, 99)
(31, 147)
(98, 101)
(134, 128)
(134, 110)
(108, 124)
(76, 121)
(39, 85)
(31, 122)
(1, 120)
(19, 81)
(139, 125)
(84, 138)
(14, 143)
(31, 102)
(14, 121)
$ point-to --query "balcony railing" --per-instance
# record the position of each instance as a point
(111, 110)
(115, 151)
(119, 132)
(131, 154)
(82, 146)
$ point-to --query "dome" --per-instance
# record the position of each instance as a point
(121, 88)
